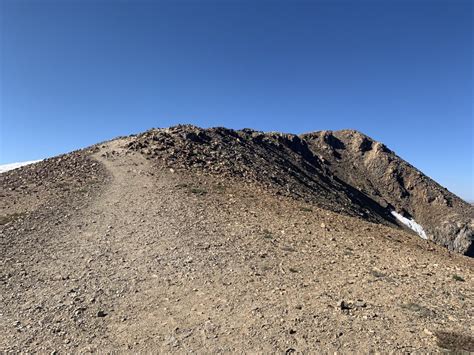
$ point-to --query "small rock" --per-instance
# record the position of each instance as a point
(79, 311)
(360, 304)
(172, 341)
(101, 314)
(343, 305)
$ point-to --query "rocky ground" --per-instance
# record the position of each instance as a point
(113, 249)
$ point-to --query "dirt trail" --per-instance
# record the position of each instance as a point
(169, 261)
(88, 264)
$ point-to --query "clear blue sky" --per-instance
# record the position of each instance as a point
(77, 72)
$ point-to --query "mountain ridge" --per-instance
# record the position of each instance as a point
(344, 171)
(191, 240)
(447, 218)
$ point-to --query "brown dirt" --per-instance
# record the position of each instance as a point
(140, 258)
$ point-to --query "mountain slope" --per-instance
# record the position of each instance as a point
(11, 166)
(113, 248)
(380, 174)
(343, 171)
(282, 163)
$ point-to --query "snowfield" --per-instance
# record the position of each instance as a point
(11, 166)
(410, 223)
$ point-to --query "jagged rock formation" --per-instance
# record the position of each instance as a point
(393, 183)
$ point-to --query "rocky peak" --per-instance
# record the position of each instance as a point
(344, 171)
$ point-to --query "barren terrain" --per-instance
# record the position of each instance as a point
(114, 251)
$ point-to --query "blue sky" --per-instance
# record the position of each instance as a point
(77, 72)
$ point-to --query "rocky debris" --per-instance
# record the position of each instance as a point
(379, 173)
(238, 268)
(39, 205)
(282, 163)
(73, 175)
(348, 305)
(101, 314)
(344, 171)
(29, 194)
(65, 172)
(455, 342)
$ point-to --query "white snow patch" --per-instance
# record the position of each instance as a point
(11, 166)
(410, 223)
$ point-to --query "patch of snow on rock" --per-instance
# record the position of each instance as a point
(11, 166)
(410, 223)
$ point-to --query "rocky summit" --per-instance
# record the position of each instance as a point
(186, 239)
(344, 171)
